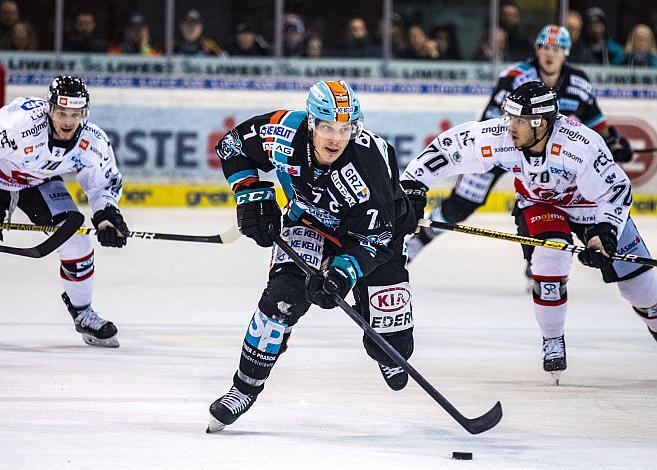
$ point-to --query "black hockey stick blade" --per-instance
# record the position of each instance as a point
(228, 236)
(472, 425)
(510, 237)
(59, 236)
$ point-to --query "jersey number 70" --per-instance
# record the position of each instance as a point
(436, 162)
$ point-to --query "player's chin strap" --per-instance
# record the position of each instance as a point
(227, 236)
(472, 425)
(548, 131)
(555, 245)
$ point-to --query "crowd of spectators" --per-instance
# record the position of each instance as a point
(411, 39)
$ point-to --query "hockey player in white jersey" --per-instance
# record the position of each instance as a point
(41, 140)
(566, 182)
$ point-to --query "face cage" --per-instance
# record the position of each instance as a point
(533, 121)
(356, 128)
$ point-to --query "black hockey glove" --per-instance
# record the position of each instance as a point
(600, 237)
(257, 209)
(619, 146)
(337, 275)
(417, 194)
(112, 229)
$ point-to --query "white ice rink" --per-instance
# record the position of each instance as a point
(182, 310)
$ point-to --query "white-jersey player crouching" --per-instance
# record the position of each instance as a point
(566, 182)
(41, 140)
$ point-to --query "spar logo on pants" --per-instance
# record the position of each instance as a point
(390, 307)
(265, 334)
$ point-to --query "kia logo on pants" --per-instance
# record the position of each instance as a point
(390, 299)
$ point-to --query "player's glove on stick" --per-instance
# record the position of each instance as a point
(417, 194)
(619, 146)
(337, 275)
(257, 210)
(601, 237)
(112, 229)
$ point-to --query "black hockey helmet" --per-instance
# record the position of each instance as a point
(69, 92)
(532, 101)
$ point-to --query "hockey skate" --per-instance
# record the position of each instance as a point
(554, 357)
(395, 377)
(94, 330)
(228, 408)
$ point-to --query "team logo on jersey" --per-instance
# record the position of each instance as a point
(28, 150)
(5, 141)
(355, 182)
(229, 146)
(555, 149)
(486, 151)
(84, 144)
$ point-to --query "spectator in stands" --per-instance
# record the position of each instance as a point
(192, 41)
(9, 16)
(357, 41)
(518, 46)
(484, 50)
(83, 37)
(448, 47)
(574, 23)
(136, 39)
(23, 37)
(420, 47)
(314, 47)
(640, 48)
(294, 36)
(246, 41)
(599, 47)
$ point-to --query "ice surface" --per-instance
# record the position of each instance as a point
(182, 309)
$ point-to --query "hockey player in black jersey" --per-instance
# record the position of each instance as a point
(346, 215)
(576, 100)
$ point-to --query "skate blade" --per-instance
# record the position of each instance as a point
(214, 425)
(102, 343)
(556, 376)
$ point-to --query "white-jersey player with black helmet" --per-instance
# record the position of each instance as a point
(566, 182)
(40, 140)
(576, 100)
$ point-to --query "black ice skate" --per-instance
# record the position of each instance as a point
(228, 408)
(554, 357)
(95, 331)
(395, 377)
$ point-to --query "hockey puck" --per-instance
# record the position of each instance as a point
(462, 455)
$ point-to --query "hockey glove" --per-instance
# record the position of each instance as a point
(417, 194)
(336, 276)
(257, 209)
(112, 229)
(600, 237)
(619, 146)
